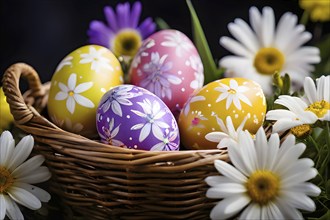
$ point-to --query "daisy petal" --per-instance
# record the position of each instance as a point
(253, 211)
(40, 175)
(2, 206)
(13, 210)
(7, 146)
(300, 201)
(310, 90)
(224, 190)
(228, 207)
(268, 26)
(216, 180)
(298, 178)
(28, 166)
(289, 211)
(236, 158)
(229, 171)
(234, 47)
(215, 136)
(41, 194)
(290, 156)
(24, 198)
(21, 152)
(307, 188)
(261, 150)
(285, 124)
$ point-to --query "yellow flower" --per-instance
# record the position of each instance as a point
(319, 10)
(5, 116)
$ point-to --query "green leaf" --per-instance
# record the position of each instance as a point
(162, 24)
(323, 68)
(326, 216)
(211, 72)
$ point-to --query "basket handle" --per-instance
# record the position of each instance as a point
(22, 112)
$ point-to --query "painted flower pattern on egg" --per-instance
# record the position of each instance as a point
(241, 99)
(96, 59)
(145, 123)
(77, 86)
(233, 94)
(169, 66)
(178, 41)
(71, 93)
(159, 76)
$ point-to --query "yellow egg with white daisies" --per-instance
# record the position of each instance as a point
(6, 117)
(238, 98)
(78, 84)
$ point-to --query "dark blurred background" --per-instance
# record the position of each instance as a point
(42, 32)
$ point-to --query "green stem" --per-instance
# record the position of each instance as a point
(304, 18)
(316, 146)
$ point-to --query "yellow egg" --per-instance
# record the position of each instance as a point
(6, 117)
(78, 84)
(235, 97)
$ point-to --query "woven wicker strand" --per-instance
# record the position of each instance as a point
(99, 181)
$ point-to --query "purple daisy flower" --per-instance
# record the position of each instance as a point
(121, 34)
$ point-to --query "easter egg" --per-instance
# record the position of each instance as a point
(132, 117)
(238, 98)
(6, 117)
(77, 86)
(168, 65)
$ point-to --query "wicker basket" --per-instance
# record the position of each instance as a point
(99, 181)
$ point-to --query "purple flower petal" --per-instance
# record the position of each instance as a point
(111, 18)
(147, 27)
(135, 14)
(123, 15)
(99, 33)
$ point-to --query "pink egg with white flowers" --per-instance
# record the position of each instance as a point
(168, 65)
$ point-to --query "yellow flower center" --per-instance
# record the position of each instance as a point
(232, 91)
(268, 60)
(263, 186)
(301, 131)
(319, 108)
(6, 180)
(319, 9)
(71, 93)
(126, 42)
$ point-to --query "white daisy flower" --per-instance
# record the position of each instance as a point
(303, 112)
(97, 60)
(177, 40)
(67, 61)
(151, 113)
(267, 181)
(71, 93)
(261, 50)
(17, 174)
(233, 94)
(317, 97)
(227, 134)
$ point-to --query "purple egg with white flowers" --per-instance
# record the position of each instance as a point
(132, 117)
